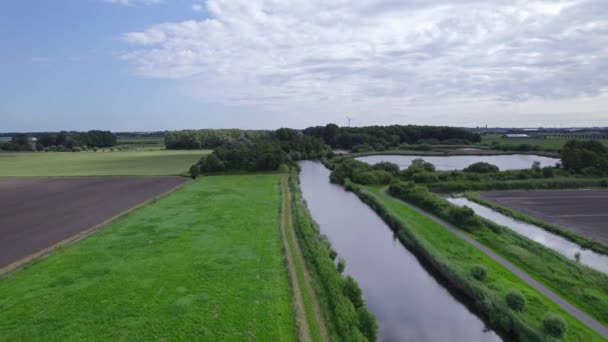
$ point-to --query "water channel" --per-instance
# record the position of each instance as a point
(408, 301)
(557, 243)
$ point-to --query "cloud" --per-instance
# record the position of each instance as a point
(133, 2)
(388, 53)
(197, 7)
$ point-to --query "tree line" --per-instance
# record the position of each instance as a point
(61, 141)
(266, 151)
(379, 138)
(208, 138)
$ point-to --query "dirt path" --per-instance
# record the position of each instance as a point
(561, 302)
(300, 279)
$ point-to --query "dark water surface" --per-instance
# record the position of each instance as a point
(448, 163)
(409, 303)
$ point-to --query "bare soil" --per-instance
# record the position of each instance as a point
(582, 211)
(37, 213)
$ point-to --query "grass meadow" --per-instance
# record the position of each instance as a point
(117, 163)
(204, 263)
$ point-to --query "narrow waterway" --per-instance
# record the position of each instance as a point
(409, 303)
(557, 243)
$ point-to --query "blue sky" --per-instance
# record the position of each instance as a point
(173, 64)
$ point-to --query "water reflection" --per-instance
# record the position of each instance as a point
(447, 163)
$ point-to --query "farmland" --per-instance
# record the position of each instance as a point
(37, 213)
(582, 211)
(203, 263)
(130, 163)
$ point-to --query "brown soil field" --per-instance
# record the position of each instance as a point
(582, 211)
(37, 213)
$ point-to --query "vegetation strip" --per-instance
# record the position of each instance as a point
(582, 286)
(346, 316)
(459, 263)
(581, 240)
(307, 311)
(204, 263)
(564, 304)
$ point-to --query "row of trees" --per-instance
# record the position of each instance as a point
(61, 141)
(208, 138)
(385, 137)
(266, 151)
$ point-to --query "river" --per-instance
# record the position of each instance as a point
(409, 302)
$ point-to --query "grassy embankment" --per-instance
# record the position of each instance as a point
(581, 240)
(558, 182)
(203, 263)
(344, 321)
(439, 151)
(140, 163)
(309, 318)
(454, 259)
(545, 144)
(581, 286)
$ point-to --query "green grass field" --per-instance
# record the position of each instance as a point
(130, 163)
(204, 263)
(545, 144)
(461, 257)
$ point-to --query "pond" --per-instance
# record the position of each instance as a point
(408, 301)
(555, 242)
(448, 163)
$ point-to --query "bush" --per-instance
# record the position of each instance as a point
(604, 183)
(367, 324)
(76, 149)
(548, 172)
(353, 292)
(481, 167)
(341, 265)
(554, 325)
(194, 171)
(479, 272)
(516, 300)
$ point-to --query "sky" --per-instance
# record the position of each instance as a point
(140, 65)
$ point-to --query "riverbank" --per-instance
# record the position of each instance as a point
(452, 152)
(454, 260)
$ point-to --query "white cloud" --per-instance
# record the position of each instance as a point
(133, 2)
(386, 54)
(198, 7)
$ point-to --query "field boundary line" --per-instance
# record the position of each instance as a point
(45, 252)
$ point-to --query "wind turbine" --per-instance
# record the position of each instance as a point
(349, 119)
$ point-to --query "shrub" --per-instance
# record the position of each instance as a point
(353, 292)
(481, 167)
(516, 300)
(479, 272)
(604, 183)
(548, 172)
(76, 149)
(341, 265)
(194, 171)
(425, 177)
(554, 325)
(367, 324)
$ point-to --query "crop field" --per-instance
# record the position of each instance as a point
(204, 263)
(130, 163)
(547, 144)
(36, 213)
(583, 211)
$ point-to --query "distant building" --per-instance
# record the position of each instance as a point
(515, 136)
(32, 142)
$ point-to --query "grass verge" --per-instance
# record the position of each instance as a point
(454, 260)
(203, 263)
(344, 321)
(581, 240)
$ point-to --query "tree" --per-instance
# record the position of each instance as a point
(194, 171)
(481, 167)
(353, 292)
(367, 324)
(479, 272)
(516, 300)
(554, 325)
